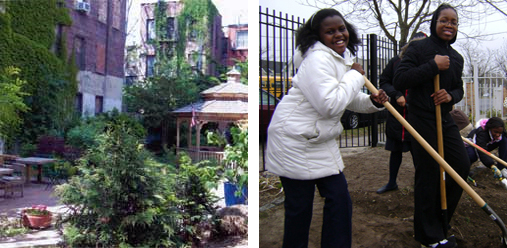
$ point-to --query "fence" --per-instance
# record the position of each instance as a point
(490, 99)
(277, 45)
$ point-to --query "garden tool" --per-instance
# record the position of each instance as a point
(503, 180)
(440, 140)
(484, 206)
(472, 180)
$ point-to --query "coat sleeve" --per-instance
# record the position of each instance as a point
(328, 93)
(457, 91)
(386, 79)
(482, 140)
(413, 72)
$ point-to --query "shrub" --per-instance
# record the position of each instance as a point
(121, 198)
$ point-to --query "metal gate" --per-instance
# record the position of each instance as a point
(277, 45)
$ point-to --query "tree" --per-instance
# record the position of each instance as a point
(11, 101)
(121, 197)
(400, 20)
(157, 98)
(483, 59)
(501, 59)
(243, 68)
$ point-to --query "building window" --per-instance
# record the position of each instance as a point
(242, 39)
(150, 29)
(78, 103)
(170, 28)
(80, 50)
(150, 65)
(130, 80)
(99, 102)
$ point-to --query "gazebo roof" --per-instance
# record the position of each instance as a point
(227, 88)
(225, 101)
(216, 107)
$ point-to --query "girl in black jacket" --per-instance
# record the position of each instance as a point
(490, 136)
(423, 60)
(398, 139)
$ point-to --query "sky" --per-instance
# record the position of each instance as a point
(488, 25)
(232, 11)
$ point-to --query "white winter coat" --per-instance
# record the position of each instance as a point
(301, 135)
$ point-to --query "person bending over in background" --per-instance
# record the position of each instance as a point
(489, 135)
(301, 146)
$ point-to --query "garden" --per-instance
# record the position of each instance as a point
(112, 187)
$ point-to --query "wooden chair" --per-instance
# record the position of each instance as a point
(16, 181)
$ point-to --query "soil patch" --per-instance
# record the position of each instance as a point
(386, 220)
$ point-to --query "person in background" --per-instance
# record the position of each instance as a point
(398, 139)
(461, 119)
(424, 60)
(489, 135)
(301, 146)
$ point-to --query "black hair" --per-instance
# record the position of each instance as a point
(494, 122)
(308, 33)
(434, 20)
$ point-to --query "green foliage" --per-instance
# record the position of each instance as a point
(195, 201)
(243, 68)
(11, 101)
(10, 227)
(26, 42)
(493, 113)
(235, 156)
(121, 197)
(84, 135)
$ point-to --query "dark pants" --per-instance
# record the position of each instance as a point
(337, 220)
(428, 221)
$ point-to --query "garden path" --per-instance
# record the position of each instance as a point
(34, 194)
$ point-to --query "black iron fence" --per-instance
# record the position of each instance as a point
(277, 45)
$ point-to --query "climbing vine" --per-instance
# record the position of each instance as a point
(27, 32)
(194, 23)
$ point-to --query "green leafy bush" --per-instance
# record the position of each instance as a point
(195, 200)
(121, 197)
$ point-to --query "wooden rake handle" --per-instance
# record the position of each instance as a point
(484, 151)
(429, 149)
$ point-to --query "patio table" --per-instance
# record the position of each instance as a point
(6, 171)
(34, 161)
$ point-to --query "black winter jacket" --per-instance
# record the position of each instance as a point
(417, 70)
(394, 129)
(482, 138)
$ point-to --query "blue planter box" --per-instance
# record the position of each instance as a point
(230, 198)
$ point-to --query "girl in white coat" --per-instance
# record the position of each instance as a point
(301, 147)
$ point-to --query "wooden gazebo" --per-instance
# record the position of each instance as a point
(223, 104)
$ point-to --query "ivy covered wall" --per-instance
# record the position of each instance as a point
(27, 32)
(194, 38)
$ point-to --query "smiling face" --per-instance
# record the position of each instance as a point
(334, 34)
(447, 24)
(496, 132)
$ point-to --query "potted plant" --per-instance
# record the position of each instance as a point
(236, 167)
(36, 217)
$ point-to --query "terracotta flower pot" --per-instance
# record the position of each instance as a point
(36, 221)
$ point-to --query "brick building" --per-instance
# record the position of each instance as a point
(97, 36)
(237, 43)
(202, 55)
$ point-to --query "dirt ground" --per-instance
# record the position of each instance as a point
(386, 220)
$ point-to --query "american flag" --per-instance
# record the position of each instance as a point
(193, 122)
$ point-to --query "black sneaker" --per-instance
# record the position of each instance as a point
(446, 243)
